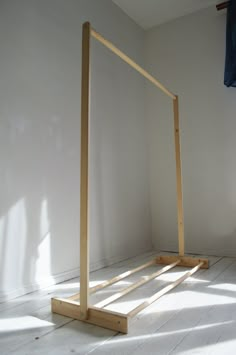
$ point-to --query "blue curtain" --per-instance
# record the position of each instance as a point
(230, 58)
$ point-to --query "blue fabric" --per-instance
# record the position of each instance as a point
(230, 58)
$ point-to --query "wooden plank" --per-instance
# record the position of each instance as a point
(132, 287)
(178, 178)
(187, 261)
(130, 61)
(115, 279)
(84, 238)
(101, 317)
(162, 292)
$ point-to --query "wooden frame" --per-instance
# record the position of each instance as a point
(97, 314)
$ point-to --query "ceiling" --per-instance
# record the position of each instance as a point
(150, 13)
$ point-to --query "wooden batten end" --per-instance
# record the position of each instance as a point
(101, 317)
(186, 261)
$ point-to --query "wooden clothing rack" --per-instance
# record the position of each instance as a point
(77, 306)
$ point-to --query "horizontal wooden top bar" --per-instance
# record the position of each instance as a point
(130, 61)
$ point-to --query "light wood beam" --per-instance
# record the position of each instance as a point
(101, 317)
(162, 292)
(130, 61)
(84, 237)
(180, 213)
(114, 279)
(186, 261)
(135, 285)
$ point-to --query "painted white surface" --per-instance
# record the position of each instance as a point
(40, 142)
(188, 56)
(150, 13)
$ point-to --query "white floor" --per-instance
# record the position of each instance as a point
(198, 317)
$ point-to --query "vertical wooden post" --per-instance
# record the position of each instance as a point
(84, 237)
(178, 178)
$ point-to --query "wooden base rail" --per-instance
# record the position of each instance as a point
(135, 285)
(101, 317)
(119, 321)
(115, 279)
(162, 292)
(186, 261)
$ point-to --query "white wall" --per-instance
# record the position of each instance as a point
(188, 56)
(40, 67)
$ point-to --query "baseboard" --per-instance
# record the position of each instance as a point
(65, 276)
(41, 284)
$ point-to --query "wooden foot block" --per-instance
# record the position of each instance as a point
(101, 317)
(187, 261)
